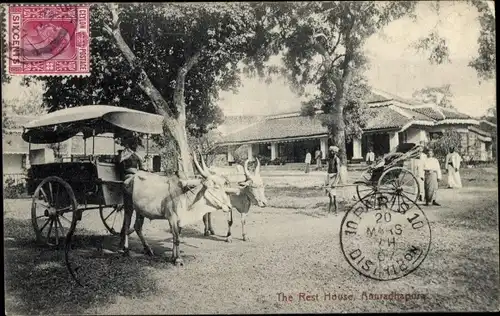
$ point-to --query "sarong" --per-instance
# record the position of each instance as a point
(431, 186)
(454, 180)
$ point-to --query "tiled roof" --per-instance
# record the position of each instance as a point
(429, 111)
(411, 113)
(488, 127)
(380, 118)
(279, 128)
(385, 117)
(451, 114)
(374, 97)
(233, 123)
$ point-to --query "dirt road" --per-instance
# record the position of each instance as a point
(293, 248)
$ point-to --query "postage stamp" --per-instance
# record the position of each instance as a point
(386, 241)
(48, 40)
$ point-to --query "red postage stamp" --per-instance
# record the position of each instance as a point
(48, 40)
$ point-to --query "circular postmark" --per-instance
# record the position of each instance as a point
(40, 33)
(387, 241)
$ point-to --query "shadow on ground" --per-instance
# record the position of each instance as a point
(38, 282)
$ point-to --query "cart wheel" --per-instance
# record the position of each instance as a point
(113, 218)
(401, 181)
(53, 210)
(366, 194)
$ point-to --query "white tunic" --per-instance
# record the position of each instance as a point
(308, 158)
(432, 164)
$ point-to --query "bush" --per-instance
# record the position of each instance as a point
(11, 190)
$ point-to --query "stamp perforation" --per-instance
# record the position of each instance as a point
(80, 63)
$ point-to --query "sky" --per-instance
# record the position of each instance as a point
(394, 67)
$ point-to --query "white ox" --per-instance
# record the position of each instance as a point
(181, 202)
(250, 191)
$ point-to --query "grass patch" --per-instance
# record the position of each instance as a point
(37, 280)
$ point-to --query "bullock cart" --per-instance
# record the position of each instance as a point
(387, 179)
(61, 191)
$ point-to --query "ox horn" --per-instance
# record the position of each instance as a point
(197, 164)
(257, 169)
(245, 168)
(204, 165)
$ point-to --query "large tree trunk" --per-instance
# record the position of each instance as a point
(184, 162)
(176, 126)
(339, 139)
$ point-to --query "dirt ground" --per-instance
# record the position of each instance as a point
(293, 248)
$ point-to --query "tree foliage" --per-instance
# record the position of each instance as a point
(442, 145)
(29, 105)
(355, 114)
(322, 46)
(486, 60)
(436, 46)
(440, 95)
(169, 58)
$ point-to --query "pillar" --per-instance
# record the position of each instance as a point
(393, 140)
(230, 154)
(274, 151)
(356, 149)
(323, 142)
(422, 137)
(250, 152)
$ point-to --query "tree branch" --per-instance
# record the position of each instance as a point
(337, 58)
(161, 106)
(336, 44)
(179, 98)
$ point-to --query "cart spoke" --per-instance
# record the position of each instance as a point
(45, 225)
(393, 200)
(64, 209)
(365, 190)
(114, 210)
(51, 192)
(44, 195)
(56, 197)
(407, 182)
(42, 204)
(50, 229)
(57, 231)
(114, 219)
(64, 217)
(40, 216)
(61, 226)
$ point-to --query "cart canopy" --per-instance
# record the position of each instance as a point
(90, 120)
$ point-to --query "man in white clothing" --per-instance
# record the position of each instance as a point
(308, 161)
(370, 156)
(452, 164)
(419, 166)
(432, 171)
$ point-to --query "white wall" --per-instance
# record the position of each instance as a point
(416, 135)
(12, 163)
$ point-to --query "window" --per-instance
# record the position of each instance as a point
(435, 135)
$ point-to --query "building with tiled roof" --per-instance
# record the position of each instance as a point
(392, 120)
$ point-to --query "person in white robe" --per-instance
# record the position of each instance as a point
(433, 175)
(452, 164)
(420, 174)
